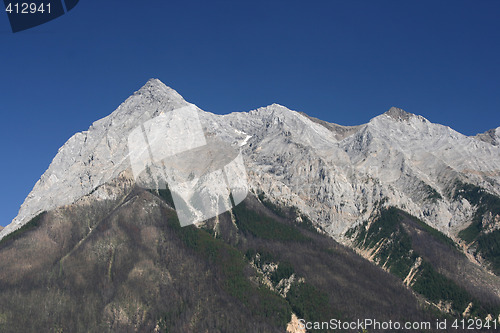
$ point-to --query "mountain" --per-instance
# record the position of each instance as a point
(398, 157)
(492, 136)
(326, 202)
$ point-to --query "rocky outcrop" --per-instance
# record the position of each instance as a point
(491, 136)
(295, 326)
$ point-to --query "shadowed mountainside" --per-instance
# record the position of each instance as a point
(126, 265)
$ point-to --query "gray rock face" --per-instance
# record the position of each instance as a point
(337, 175)
(491, 136)
(399, 114)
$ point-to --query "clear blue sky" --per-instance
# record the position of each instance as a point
(341, 61)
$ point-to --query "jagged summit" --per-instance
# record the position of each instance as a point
(272, 108)
(155, 82)
(491, 136)
(147, 102)
(156, 91)
(398, 114)
(277, 106)
(156, 87)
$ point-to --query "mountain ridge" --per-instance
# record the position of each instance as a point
(388, 156)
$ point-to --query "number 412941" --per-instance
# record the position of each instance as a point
(27, 8)
(474, 324)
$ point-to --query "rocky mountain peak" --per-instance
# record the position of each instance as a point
(155, 87)
(491, 136)
(91, 158)
(271, 110)
(149, 101)
(398, 114)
